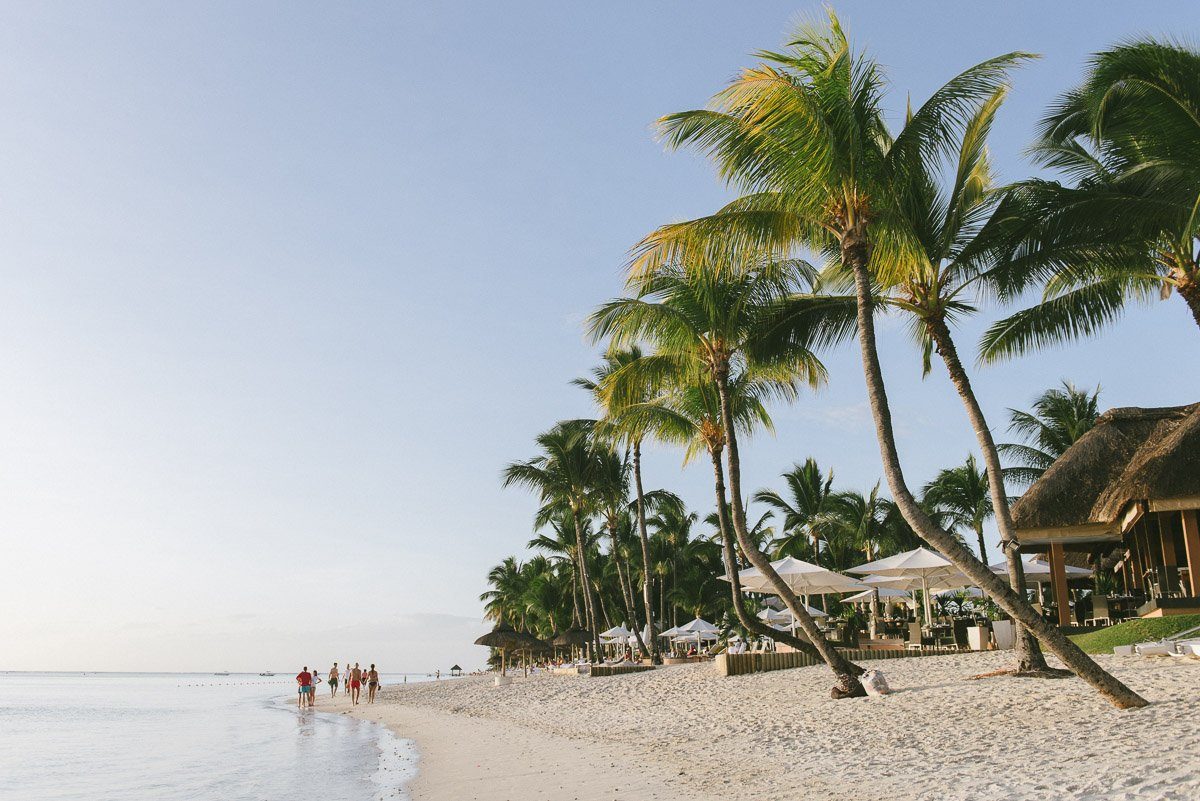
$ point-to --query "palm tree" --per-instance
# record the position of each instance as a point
(566, 473)
(624, 429)
(1128, 227)
(805, 514)
(700, 320)
(1059, 417)
(689, 415)
(962, 495)
(804, 134)
(611, 492)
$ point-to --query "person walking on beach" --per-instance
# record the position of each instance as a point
(346, 679)
(312, 695)
(355, 683)
(333, 680)
(372, 683)
(304, 679)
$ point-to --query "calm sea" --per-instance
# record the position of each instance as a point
(180, 737)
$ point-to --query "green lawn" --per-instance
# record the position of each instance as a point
(1132, 632)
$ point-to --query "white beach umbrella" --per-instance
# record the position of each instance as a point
(803, 578)
(933, 570)
(615, 633)
(1039, 569)
(885, 593)
(773, 616)
(699, 630)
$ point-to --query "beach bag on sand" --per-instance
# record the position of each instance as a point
(874, 683)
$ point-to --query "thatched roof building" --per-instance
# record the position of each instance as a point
(1133, 461)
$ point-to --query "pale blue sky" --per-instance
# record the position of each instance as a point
(285, 288)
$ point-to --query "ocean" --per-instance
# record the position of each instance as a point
(185, 737)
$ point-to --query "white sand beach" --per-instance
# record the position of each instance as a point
(686, 732)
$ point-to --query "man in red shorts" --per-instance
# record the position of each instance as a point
(356, 676)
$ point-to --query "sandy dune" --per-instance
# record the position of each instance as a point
(685, 732)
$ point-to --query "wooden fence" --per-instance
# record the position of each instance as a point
(739, 664)
(617, 670)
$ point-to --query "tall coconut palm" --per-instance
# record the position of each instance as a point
(699, 319)
(561, 548)
(689, 415)
(804, 134)
(624, 429)
(962, 496)
(807, 511)
(1059, 416)
(1127, 225)
(566, 472)
(611, 494)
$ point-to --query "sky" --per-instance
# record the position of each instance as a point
(285, 286)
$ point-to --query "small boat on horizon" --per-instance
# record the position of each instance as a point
(266, 673)
(222, 673)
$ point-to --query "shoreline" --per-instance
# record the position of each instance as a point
(460, 757)
(685, 732)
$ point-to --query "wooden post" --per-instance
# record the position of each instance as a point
(1058, 583)
(1191, 544)
(1166, 538)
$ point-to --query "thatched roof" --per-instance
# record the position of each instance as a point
(573, 636)
(1130, 455)
(506, 637)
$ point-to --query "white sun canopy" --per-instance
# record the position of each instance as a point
(699, 625)
(885, 594)
(773, 616)
(931, 569)
(803, 578)
(1039, 569)
(615, 633)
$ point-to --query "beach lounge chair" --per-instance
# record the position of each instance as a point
(1099, 611)
(1162, 648)
(914, 637)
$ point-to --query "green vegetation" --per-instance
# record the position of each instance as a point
(1132, 632)
(841, 218)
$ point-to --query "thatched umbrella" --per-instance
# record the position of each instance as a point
(502, 638)
(572, 637)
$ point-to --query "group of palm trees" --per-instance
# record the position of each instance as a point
(724, 315)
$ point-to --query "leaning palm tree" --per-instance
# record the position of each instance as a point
(689, 415)
(1059, 417)
(804, 135)
(962, 497)
(624, 429)
(1127, 225)
(566, 473)
(700, 319)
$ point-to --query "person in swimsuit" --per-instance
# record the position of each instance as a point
(333, 680)
(304, 680)
(312, 694)
(372, 684)
(355, 683)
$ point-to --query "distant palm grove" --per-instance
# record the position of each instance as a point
(842, 218)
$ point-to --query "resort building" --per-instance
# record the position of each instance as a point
(1125, 497)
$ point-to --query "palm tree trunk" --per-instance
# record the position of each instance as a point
(645, 542)
(844, 670)
(575, 619)
(1029, 654)
(855, 255)
(589, 592)
(1188, 284)
(626, 591)
(729, 556)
